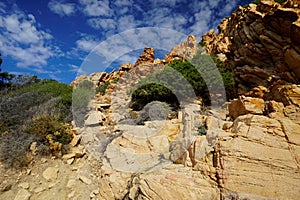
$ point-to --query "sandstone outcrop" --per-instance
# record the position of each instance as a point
(251, 150)
(186, 49)
(146, 58)
(259, 43)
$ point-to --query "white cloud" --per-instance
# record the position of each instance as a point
(22, 39)
(122, 3)
(86, 44)
(168, 3)
(62, 9)
(96, 8)
(100, 23)
(120, 47)
(127, 22)
(76, 69)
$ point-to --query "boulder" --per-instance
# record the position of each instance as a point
(245, 105)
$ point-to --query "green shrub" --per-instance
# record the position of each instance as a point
(202, 130)
(256, 2)
(152, 92)
(280, 1)
(185, 79)
(50, 125)
(19, 111)
(102, 88)
(82, 95)
(202, 44)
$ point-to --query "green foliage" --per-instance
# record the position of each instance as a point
(202, 44)
(152, 92)
(185, 79)
(256, 2)
(202, 130)
(46, 100)
(82, 95)
(50, 125)
(278, 1)
(102, 88)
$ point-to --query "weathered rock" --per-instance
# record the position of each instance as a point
(24, 185)
(258, 161)
(145, 58)
(50, 173)
(85, 179)
(245, 105)
(259, 44)
(75, 140)
(186, 49)
(287, 94)
(174, 182)
(125, 67)
(22, 195)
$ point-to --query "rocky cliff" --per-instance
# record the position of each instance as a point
(260, 44)
(250, 150)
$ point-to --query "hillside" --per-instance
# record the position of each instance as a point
(217, 118)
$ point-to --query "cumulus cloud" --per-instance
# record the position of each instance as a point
(23, 40)
(86, 43)
(100, 23)
(96, 8)
(62, 9)
(123, 16)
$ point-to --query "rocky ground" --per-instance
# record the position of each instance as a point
(248, 150)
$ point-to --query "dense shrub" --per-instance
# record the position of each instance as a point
(25, 112)
(200, 76)
(152, 92)
(278, 1)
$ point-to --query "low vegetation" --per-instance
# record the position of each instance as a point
(82, 95)
(33, 111)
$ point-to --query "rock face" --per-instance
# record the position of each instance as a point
(186, 49)
(146, 58)
(260, 44)
(249, 151)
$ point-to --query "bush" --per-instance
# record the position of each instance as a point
(278, 1)
(152, 92)
(51, 128)
(14, 149)
(81, 98)
(183, 80)
(31, 113)
(102, 88)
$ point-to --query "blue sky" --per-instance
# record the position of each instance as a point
(57, 38)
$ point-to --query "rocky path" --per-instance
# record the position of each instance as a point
(73, 177)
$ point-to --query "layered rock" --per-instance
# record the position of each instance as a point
(146, 58)
(187, 49)
(260, 43)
